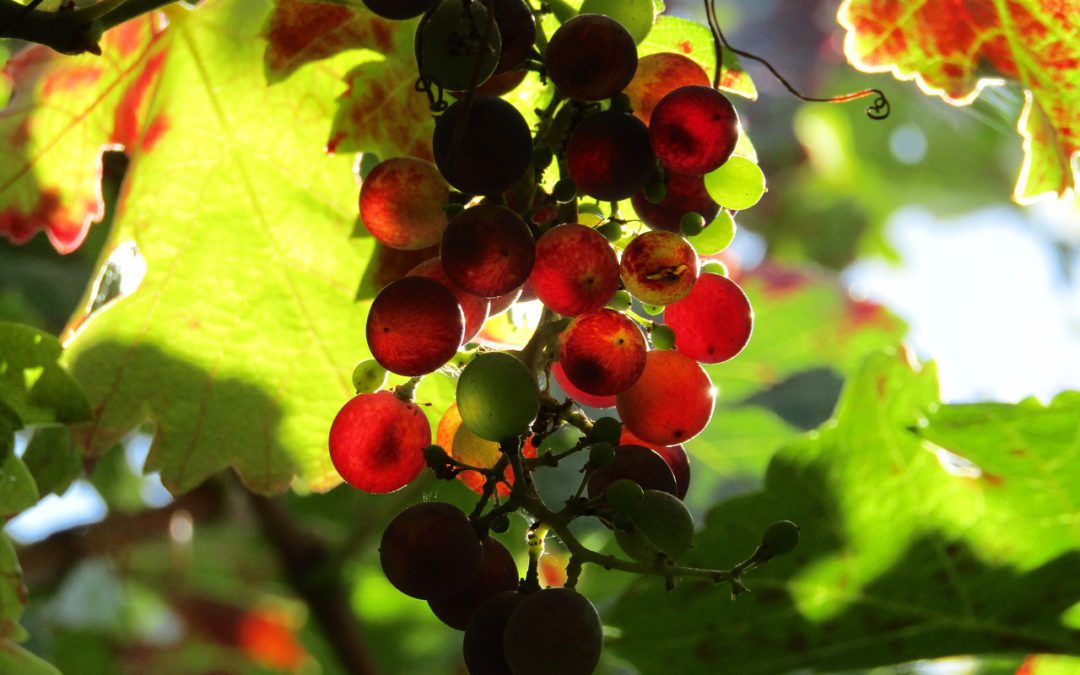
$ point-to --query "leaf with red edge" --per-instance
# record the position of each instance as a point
(63, 112)
(954, 48)
(300, 32)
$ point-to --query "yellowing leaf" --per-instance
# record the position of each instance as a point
(953, 49)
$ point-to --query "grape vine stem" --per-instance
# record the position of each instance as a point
(70, 31)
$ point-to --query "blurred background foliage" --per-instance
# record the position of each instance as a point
(107, 601)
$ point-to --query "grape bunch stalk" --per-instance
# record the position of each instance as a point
(630, 313)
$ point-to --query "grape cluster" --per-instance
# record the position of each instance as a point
(521, 214)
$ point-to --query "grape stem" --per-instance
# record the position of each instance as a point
(70, 31)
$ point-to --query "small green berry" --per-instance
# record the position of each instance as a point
(620, 302)
(620, 102)
(542, 157)
(656, 192)
(368, 377)
(612, 230)
(624, 496)
(601, 454)
(662, 336)
(715, 267)
(500, 523)
(606, 430)
(780, 538)
(564, 191)
(691, 223)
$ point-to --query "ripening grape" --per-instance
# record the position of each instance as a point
(498, 573)
(591, 57)
(468, 448)
(488, 250)
(602, 352)
(498, 84)
(399, 9)
(683, 194)
(659, 268)
(555, 630)
(493, 149)
(714, 322)
(451, 49)
(402, 203)
(584, 398)
(497, 396)
(609, 156)
(376, 442)
(517, 27)
(658, 75)
(390, 264)
(483, 643)
(368, 377)
(430, 551)
(638, 464)
(414, 326)
(501, 303)
(576, 270)
(675, 456)
(661, 523)
(694, 130)
(473, 307)
(671, 402)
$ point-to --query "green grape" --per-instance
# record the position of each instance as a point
(620, 102)
(369, 377)
(661, 521)
(601, 454)
(715, 267)
(624, 496)
(716, 236)
(564, 191)
(500, 523)
(449, 40)
(542, 157)
(621, 301)
(561, 440)
(497, 396)
(780, 538)
(435, 456)
(691, 224)
(637, 16)
(611, 230)
(738, 184)
(656, 191)
(662, 336)
(606, 430)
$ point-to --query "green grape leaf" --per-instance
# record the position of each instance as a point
(12, 593)
(236, 330)
(301, 31)
(53, 460)
(62, 111)
(954, 51)
(15, 659)
(908, 551)
(738, 184)
(692, 39)
(18, 491)
(716, 236)
(34, 389)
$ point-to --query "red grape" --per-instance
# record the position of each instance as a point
(671, 402)
(659, 267)
(578, 395)
(376, 442)
(414, 326)
(517, 27)
(399, 9)
(498, 84)
(576, 270)
(714, 322)
(501, 303)
(402, 202)
(483, 643)
(591, 57)
(430, 551)
(674, 455)
(555, 630)
(659, 74)
(498, 573)
(685, 194)
(494, 147)
(488, 250)
(474, 308)
(609, 156)
(602, 352)
(642, 465)
(694, 130)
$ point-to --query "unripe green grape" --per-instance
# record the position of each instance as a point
(500, 523)
(656, 191)
(601, 454)
(564, 191)
(662, 521)
(691, 224)
(368, 377)
(611, 230)
(662, 336)
(780, 538)
(497, 396)
(606, 430)
(715, 267)
(450, 38)
(435, 456)
(542, 157)
(637, 16)
(652, 310)
(620, 102)
(620, 302)
(624, 496)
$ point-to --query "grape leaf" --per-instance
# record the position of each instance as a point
(690, 38)
(12, 592)
(34, 389)
(62, 113)
(953, 50)
(907, 552)
(15, 659)
(237, 343)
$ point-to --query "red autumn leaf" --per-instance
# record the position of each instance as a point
(64, 111)
(954, 48)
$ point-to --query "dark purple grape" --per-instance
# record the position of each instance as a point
(488, 250)
(517, 26)
(414, 326)
(430, 551)
(609, 156)
(685, 194)
(483, 644)
(399, 9)
(498, 573)
(694, 130)
(639, 464)
(674, 455)
(494, 146)
(556, 630)
(591, 57)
